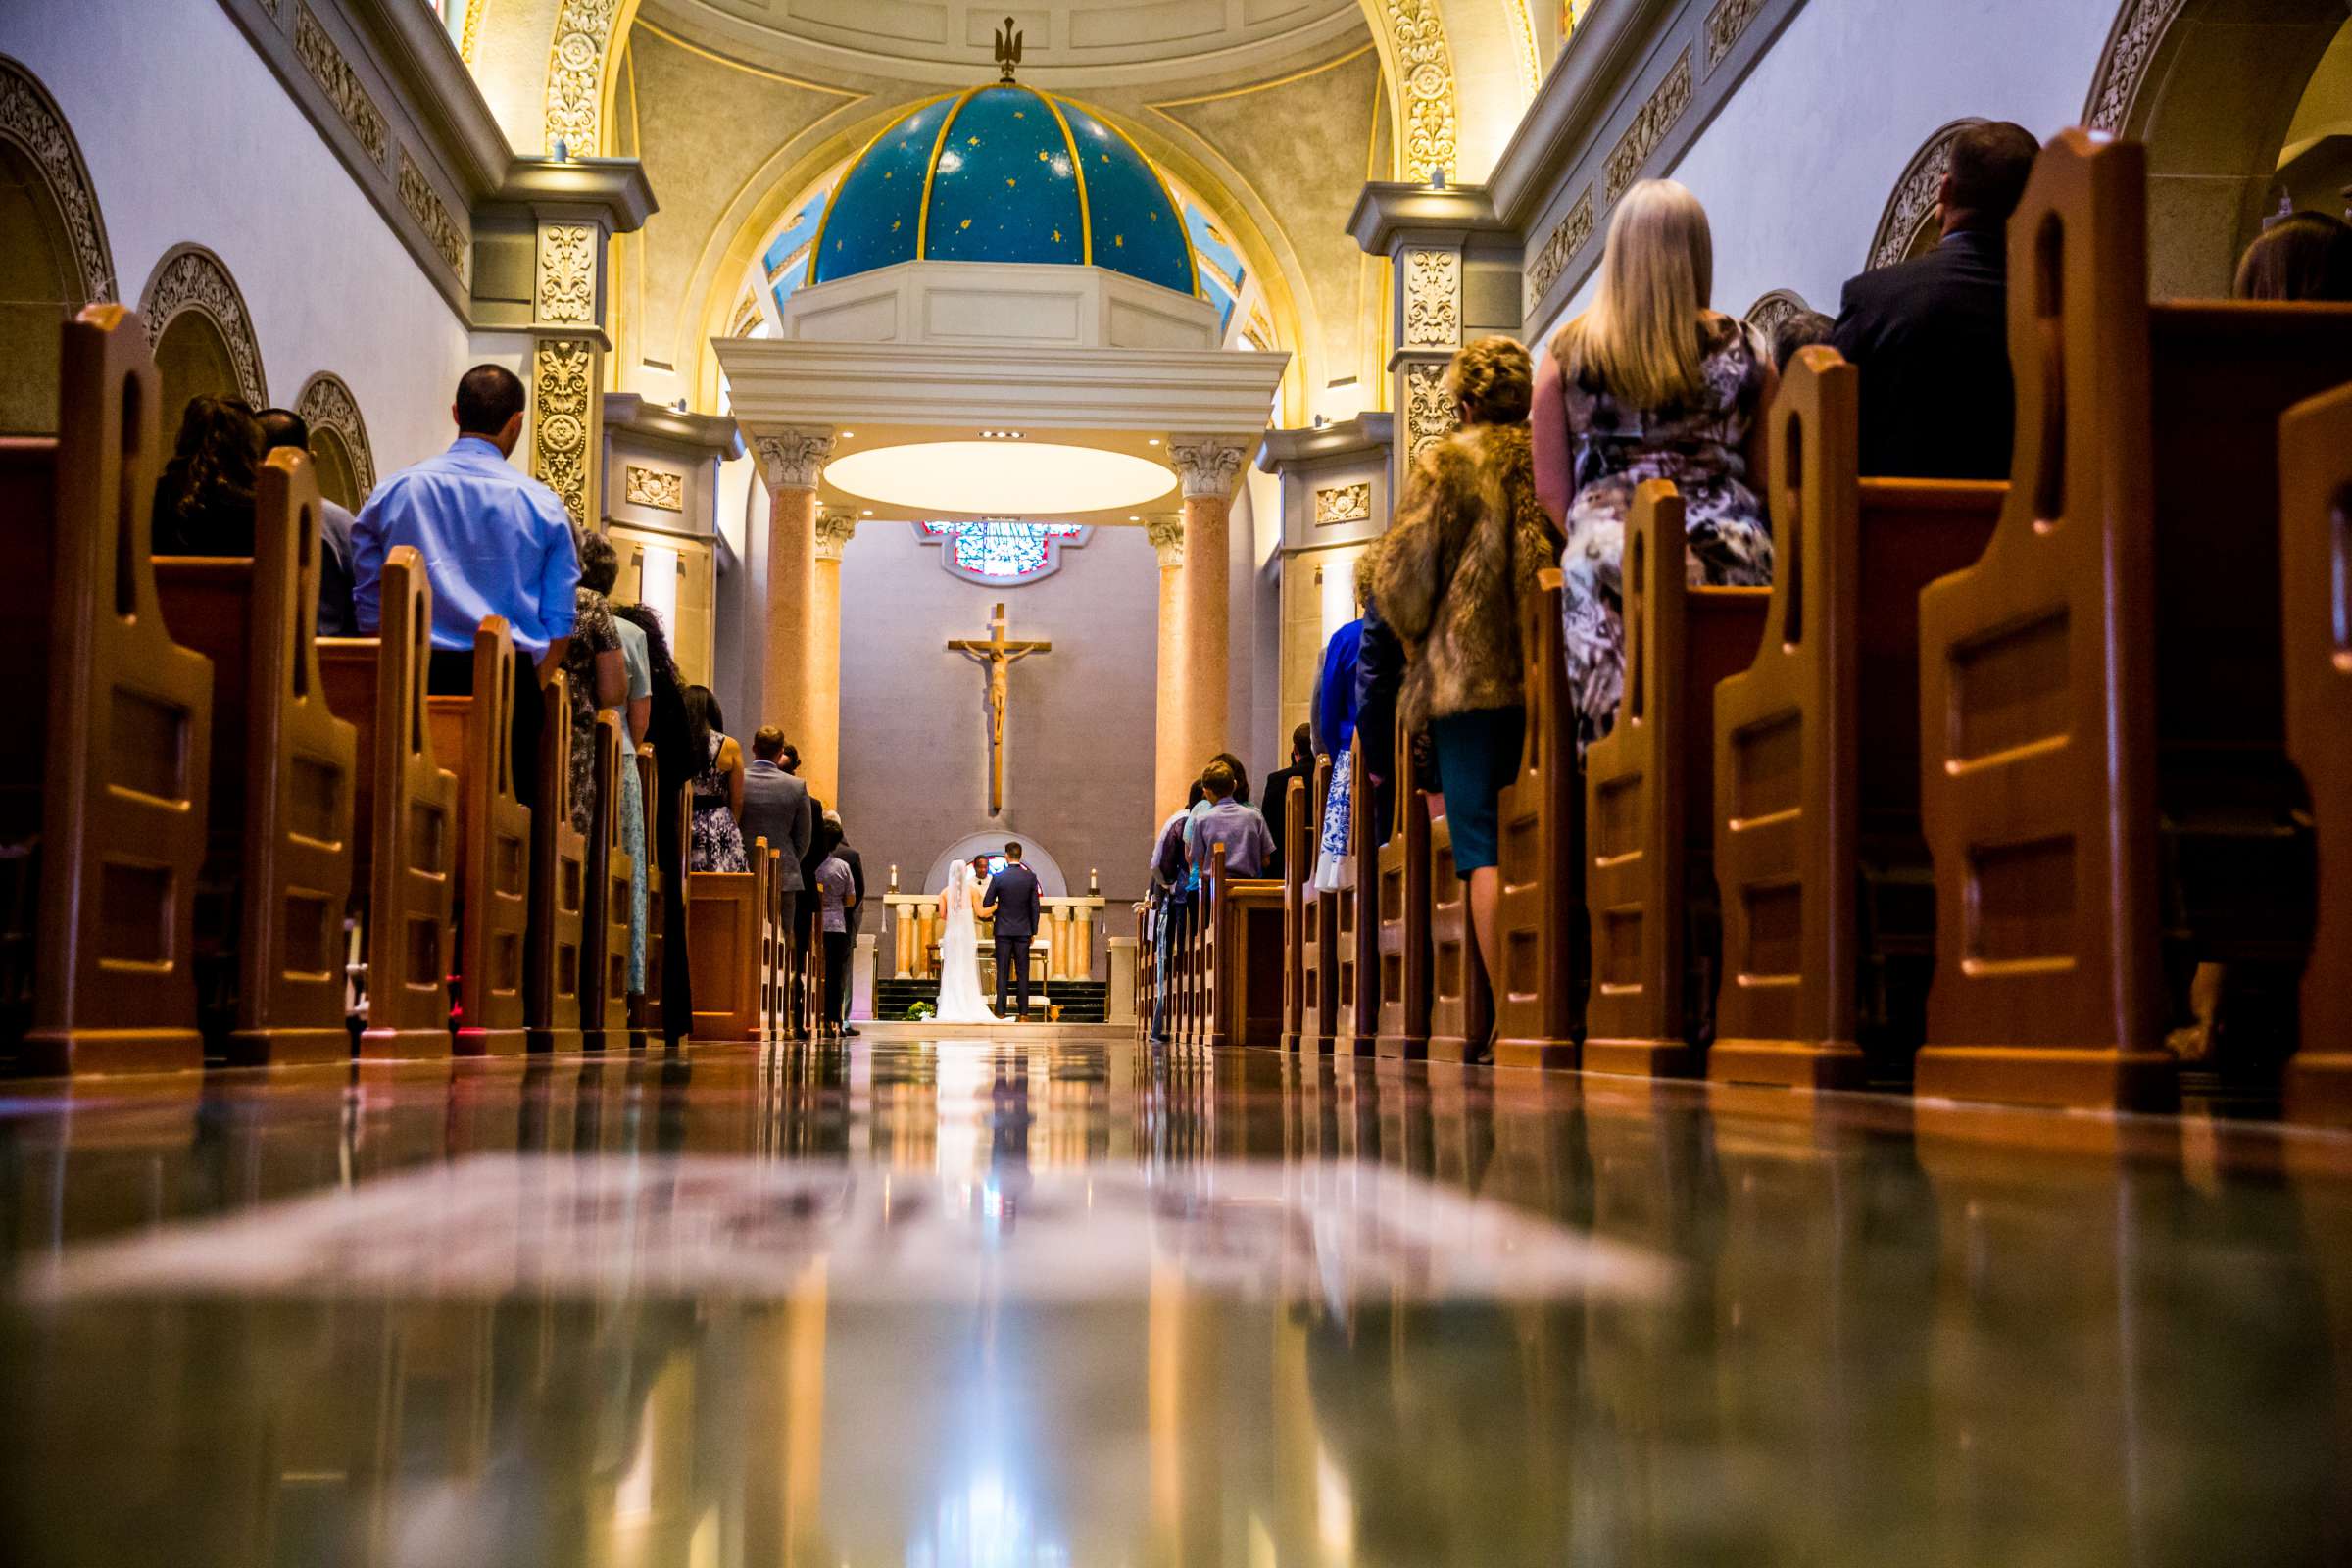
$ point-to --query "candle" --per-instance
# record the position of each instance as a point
(893, 879)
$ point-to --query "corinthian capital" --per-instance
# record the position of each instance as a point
(834, 527)
(1167, 538)
(792, 459)
(1208, 464)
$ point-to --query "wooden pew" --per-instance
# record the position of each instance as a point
(1817, 750)
(723, 918)
(2103, 769)
(556, 938)
(1318, 934)
(1294, 852)
(103, 805)
(1461, 1003)
(605, 914)
(1356, 1014)
(494, 846)
(645, 1008)
(1400, 916)
(1240, 957)
(1539, 909)
(1648, 801)
(2315, 442)
(1144, 944)
(404, 806)
(278, 850)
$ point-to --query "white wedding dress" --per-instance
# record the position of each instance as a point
(959, 997)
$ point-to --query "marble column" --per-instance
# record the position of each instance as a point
(1208, 465)
(790, 462)
(1170, 770)
(820, 752)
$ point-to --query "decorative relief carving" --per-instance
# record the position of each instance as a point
(1725, 24)
(567, 293)
(1167, 539)
(1208, 464)
(424, 204)
(562, 383)
(30, 119)
(1425, 67)
(2124, 66)
(1652, 122)
(474, 29)
(1345, 503)
(575, 75)
(341, 84)
(1567, 237)
(792, 459)
(1430, 414)
(328, 403)
(651, 487)
(1911, 209)
(1773, 308)
(834, 529)
(1523, 39)
(1433, 299)
(190, 277)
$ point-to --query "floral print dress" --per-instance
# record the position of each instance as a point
(718, 836)
(1704, 451)
(591, 634)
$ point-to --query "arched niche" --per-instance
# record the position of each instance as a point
(201, 332)
(54, 257)
(2211, 87)
(346, 464)
(1774, 307)
(1909, 224)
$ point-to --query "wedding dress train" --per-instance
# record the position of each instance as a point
(961, 1000)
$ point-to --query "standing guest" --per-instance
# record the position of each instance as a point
(848, 856)
(837, 896)
(1801, 331)
(283, 427)
(495, 542)
(1455, 575)
(775, 807)
(1332, 710)
(717, 788)
(1931, 335)
(678, 754)
(1379, 678)
(1014, 900)
(636, 721)
(1228, 820)
(1648, 384)
(1278, 789)
(204, 496)
(599, 676)
(2305, 256)
(1170, 901)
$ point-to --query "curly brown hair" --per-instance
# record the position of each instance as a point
(1494, 378)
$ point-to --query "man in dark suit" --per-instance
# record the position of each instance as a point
(1014, 902)
(775, 807)
(850, 858)
(1931, 335)
(1278, 792)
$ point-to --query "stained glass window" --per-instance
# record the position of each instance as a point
(1001, 550)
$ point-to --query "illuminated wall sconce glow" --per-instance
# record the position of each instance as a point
(658, 583)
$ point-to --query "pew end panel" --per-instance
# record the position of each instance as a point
(723, 919)
(494, 847)
(1461, 1004)
(1399, 917)
(1539, 905)
(1241, 957)
(1318, 931)
(555, 942)
(605, 914)
(1356, 923)
(1295, 851)
(645, 1009)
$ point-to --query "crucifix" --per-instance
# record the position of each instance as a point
(999, 655)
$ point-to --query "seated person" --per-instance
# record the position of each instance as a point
(1234, 824)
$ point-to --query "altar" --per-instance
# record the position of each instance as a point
(1064, 948)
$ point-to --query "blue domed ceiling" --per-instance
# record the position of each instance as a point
(1004, 173)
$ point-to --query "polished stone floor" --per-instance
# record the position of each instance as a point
(1061, 1300)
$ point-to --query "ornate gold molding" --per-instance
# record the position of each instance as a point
(317, 52)
(1208, 464)
(1523, 41)
(2139, 28)
(567, 288)
(30, 119)
(1423, 66)
(652, 487)
(1428, 410)
(474, 29)
(792, 460)
(564, 378)
(1567, 237)
(575, 75)
(1167, 539)
(190, 277)
(1652, 122)
(1725, 26)
(1911, 206)
(1433, 299)
(432, 215)
(1345, 503)
(328, 405)
(834, 529)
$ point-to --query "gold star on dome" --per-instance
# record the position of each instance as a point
(894, 226)
(966, 223)
(972, 142)
(1058, 236)
(1008, 182)
(1120, 240)
(887, 172)
(1041, 155)
(1018, 113)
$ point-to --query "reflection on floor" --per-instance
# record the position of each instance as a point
(651, 1311)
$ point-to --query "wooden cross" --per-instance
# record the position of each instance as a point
(999, 655)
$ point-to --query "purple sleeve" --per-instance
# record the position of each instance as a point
(1548, 421)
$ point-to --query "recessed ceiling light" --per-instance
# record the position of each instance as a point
(849, 435)
(867, 513)
(1133, 518)
(990, 480)
(1154, 441)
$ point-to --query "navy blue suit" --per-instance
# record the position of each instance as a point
(1020, 902)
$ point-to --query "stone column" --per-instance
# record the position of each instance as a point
(1170, 770)
(790, 462)
(567, 364)
(1429, 328)
(820, 753)
(1208, 465)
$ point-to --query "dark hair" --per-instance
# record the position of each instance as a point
(1012, 850)
(1194, 796)
(283, 427)
(600, 564)
(680, 752)
(1217, 778)
(2307, 256)
(488, 396)
(767, 743)
(1240, 775)
(1800, 330)
(204, 499)
(702, 703)
(791, 757)
(1302, 742)
(1992, 161)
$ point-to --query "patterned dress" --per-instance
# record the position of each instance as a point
(1703, 449)
(592, 634)
(718, 836)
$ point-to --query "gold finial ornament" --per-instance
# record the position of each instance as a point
(1008, 49)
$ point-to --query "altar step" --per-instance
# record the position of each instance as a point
(1080, 1001)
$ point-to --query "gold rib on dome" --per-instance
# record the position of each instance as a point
(939, 144)
(816, 246)
(1086, 211)
(1191, 261)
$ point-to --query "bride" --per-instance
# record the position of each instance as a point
(959, 997)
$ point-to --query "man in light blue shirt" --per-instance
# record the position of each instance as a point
(495, 542)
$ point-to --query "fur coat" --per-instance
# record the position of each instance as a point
(1455, 573)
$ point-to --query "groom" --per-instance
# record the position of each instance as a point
(1014, 901)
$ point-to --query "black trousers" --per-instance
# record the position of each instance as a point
(838, 947)
(450, 673)
(1012, 966)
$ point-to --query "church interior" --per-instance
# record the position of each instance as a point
(1176, 782)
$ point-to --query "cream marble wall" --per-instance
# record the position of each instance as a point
(188, 137)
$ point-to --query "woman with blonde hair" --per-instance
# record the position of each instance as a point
(1452, 577)
(1649, 383)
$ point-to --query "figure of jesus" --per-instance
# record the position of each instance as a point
(999, 655)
